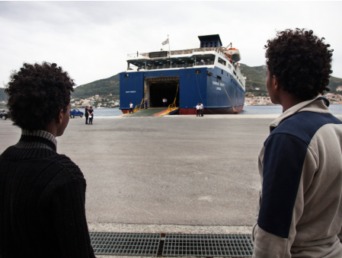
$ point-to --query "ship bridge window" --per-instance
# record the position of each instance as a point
(221, 61)
(204, 59)
(209, 44)
(182, 62)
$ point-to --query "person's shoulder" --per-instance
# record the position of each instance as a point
(303, 125)
(67, 167)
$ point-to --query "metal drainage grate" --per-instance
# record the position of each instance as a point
(154, 244)
(132, 244)
(208, 245)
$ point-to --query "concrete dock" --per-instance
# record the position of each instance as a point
(169, 174)
(172, 174)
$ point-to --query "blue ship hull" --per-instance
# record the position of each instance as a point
(219, 91)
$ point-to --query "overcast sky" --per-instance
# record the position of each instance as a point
(91, 40)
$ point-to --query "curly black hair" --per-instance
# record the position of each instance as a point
(37, 93)
(300, 61)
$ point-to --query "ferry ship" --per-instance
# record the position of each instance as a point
(181, 79)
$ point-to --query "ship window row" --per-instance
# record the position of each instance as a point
(171, 63)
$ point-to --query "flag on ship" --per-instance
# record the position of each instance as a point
(165, 42)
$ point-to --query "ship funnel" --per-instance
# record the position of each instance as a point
(210, 41)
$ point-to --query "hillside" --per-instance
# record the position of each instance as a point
(103, 87)
(255, 83)
(256, 80)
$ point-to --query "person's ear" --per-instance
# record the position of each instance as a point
(275, 83)
(60, 117)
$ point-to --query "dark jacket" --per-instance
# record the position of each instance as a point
(42, 202)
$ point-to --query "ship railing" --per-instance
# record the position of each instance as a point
(184, 65)
(137, 55)
(177, 52)
(195, 50)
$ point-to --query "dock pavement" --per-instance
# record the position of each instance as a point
(172, 174)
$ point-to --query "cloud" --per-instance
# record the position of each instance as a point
(91, 40)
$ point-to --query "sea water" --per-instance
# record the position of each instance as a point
(335, 109)
(248, 110)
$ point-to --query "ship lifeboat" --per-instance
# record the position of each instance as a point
(233, 54)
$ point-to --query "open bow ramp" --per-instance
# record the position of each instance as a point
(157, 112)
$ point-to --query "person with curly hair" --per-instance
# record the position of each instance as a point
(42, 193)
(300, 213)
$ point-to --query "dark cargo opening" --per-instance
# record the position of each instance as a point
(160, 88)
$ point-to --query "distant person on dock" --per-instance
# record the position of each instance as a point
(300, 163)
(164, 102)
(91, 115)
(130, 107)
(42, 196)
(86, 114)
(201, 109)
(198, 109)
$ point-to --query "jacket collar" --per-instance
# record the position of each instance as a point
(319, 104)
(37, 139)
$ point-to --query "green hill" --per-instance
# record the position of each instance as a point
(334, 83)
(255, 83)
(103, 87)
(256, 80)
